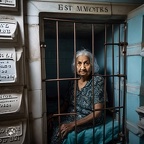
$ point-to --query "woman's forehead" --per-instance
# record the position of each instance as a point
(82, 57)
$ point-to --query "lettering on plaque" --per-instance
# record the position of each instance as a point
(8, 30)
(10, 100)
(8, 3)
(7, 65)
(89, 9)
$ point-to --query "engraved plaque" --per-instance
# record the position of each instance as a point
(8, 30)
(7, 65)
(8, 3)
(14, 129)
(10, 99)
(12, 132)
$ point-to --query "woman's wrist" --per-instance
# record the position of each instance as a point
(73, 124)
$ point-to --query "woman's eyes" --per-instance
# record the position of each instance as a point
(79, 63)
(85, 63)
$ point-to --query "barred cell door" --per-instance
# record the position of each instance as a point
(107, 42)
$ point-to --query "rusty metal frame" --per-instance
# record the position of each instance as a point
(113, 75)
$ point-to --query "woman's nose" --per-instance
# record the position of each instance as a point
(82, 66)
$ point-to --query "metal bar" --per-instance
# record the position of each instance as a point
(105, 80)
(113, 80)
(115, 75)
(92, 29)
(57, 51)
(124, 100)
(61, 79)
(63, 114)
(75, 82)
(119, 80)
(119, 44)
(58, 84)
(67, 79)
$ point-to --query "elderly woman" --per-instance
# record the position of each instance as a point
(89, 91)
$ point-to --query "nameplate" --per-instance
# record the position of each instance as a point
(8, 30)
(12, 131)
(10, 99)
(7, 3)
(7, 65)
(9, 130)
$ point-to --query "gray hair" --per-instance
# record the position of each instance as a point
(85, 52)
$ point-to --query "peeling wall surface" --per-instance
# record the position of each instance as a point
(23, 104)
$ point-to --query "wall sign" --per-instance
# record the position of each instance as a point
(10, 99)
(7, 65)
(8, 30)
(8, 5)
(12, 132)
(82, 8)
(78, 8)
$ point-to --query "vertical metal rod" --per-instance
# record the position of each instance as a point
(119, 80)
(75, 82)
(113, 78)
(93, 80)
(105, 80)
(58, 83)
(124, 99)
(57, 51)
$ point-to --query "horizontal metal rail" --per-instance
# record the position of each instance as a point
(60, 79)
(119, 44)
(67, 79)
(117, 75)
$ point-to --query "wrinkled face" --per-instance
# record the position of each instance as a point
(83, 66)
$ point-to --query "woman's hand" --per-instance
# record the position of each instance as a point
(65, 129)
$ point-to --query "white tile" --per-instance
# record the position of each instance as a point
(35, 104)
(34, 43)
(32, 19)
(35, 75)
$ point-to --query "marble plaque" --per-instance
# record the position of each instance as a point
(12, 132)
(7, 65)
(8, 30)
(8, 3)
(10, 99)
